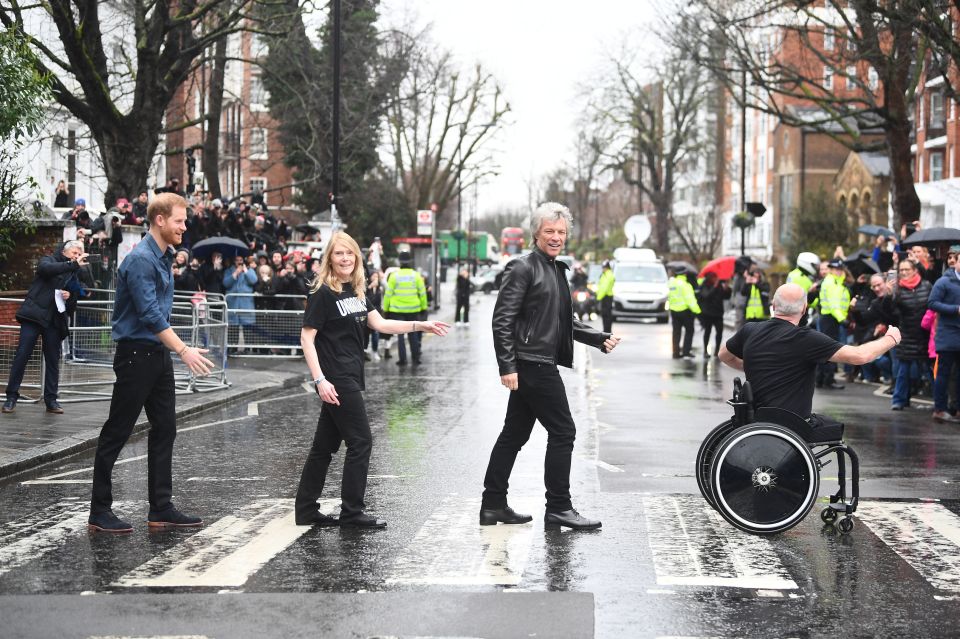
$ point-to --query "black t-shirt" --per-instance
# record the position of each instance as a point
(340, 320)
(780, 361)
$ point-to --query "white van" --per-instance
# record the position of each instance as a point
(640, 286)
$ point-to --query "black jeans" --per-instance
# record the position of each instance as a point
(540, 396)
(464, 305)
(715, 323)
(606, 313)
(344, 423)
(682, 320)
(144, 381)
(29, 333)
(415, 337)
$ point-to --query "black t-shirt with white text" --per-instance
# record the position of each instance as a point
(340, 320)
(780, 361)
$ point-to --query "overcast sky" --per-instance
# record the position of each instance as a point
(541, 51)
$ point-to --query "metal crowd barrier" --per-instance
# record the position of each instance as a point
(86, 365)
(264, 325)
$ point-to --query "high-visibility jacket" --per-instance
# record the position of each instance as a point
(755, 308)
(681, 296)
(798, 277)
(405, 292)
(605, 285)
(834, 297)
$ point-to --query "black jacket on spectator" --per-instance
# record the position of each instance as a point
(868, 314)
(211, 279)
(909, 306)
(186, 281)
(375, 295)
(463, 288)
(711, 299)
(39, 307)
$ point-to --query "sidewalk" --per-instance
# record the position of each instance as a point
(31, 436)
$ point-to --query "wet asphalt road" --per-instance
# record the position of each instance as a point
(662, 565)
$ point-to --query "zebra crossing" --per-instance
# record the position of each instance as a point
(690, 545)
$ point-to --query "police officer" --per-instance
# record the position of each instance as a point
(683, 307)
(805, 275)
(605, 296)
(834, 304)
(757, 293)
(406, 299)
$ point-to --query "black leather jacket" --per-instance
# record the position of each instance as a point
(527, 318)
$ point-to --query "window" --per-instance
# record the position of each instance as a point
(936, 166)
(258, 144)
(258, 94)
(828, 79)
(259, 184)
(828, 39)
(873, 79)
(937, 111)
(851, 77)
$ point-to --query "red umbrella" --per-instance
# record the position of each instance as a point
(722, 266)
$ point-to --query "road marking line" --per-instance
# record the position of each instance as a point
(925, 535)
(608, 467)
(693, 546)
(42, 531)
(452, 549)
(253, 408)
(148, 637)
(227, 552)
(225, 479)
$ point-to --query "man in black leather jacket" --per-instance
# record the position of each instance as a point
(533, 333)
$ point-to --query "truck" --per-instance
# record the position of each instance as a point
(462, 246)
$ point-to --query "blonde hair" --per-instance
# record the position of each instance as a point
(327, 274)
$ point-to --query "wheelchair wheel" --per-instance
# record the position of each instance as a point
(764, 478)
(705, 458)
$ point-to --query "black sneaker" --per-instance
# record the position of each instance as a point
(363, 520)
(10, 405)
(172, 518)
(108, 522)
(318, 519)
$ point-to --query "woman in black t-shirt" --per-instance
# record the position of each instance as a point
(333, 341)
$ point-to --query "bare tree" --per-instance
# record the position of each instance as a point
(440, 124)
(117, 70)
(775, 56)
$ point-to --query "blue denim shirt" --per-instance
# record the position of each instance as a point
(144, 298)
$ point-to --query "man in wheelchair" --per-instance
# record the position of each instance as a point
(760, 469)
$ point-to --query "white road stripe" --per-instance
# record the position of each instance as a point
(42, 531)
(608, 467)
(225, 479)
(693, 546)
(253, 408)
(451, 548)
(226, 552)
(926, 535)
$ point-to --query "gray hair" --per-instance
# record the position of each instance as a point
(72, 244)
(786, 307)
(549, 212)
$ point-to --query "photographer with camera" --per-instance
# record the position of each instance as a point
(44, 313)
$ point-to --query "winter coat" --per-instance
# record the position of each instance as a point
(711, 299)
(910, 305)
(53, 273)
(242, 285)
(945, 301)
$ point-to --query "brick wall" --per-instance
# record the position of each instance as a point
(20, 267)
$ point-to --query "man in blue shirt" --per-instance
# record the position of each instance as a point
(142, 363)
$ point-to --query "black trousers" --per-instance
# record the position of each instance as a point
(464, 305)
(712, 323)
(826, 371)
(682, 321)
(29, 333)
(414, 337)
(540, 396)
(606, 313)
(144, 381)
(344, 423)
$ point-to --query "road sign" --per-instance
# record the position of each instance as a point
(637, 229)
(425, 222)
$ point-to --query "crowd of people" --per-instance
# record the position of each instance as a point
(853, 301)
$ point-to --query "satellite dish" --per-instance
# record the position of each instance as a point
(637, 228)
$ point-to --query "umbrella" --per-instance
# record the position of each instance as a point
(307, 227)
(860, 262)
(679, 266)
(226, 246)
(722, 266)
(933, 237)
(875, 229)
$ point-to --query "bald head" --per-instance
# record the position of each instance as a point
(789, 302)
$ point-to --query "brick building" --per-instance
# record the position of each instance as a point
(251, 156)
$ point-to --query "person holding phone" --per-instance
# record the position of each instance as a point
(44, 314)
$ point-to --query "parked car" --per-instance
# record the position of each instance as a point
(488, 279)
(640, 289)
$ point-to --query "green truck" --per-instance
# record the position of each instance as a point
(455, 245)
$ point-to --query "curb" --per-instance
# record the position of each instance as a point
(82, 441)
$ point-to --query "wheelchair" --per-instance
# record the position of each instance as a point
(760, 469)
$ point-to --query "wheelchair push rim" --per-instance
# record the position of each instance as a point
(764, 478)
(705, 458)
